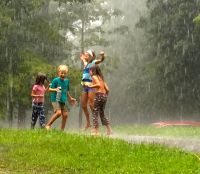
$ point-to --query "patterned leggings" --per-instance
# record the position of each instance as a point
(99, 106)
(38, 110)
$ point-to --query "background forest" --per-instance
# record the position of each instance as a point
(152, 54)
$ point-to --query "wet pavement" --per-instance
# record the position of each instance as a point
(187, 144)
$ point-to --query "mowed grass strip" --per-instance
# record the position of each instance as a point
(25, 151)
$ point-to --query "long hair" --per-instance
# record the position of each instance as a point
(40, 79)
(97, 71)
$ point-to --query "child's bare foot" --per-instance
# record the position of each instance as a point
(95, 132)
(48, 127)
(109, 133)
(86, 128)
(108, 130)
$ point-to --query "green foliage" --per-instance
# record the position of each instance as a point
(172, 85)
(29, 44)
(33, 39)
(74, 76)
(78, 17)
(197, 19)
(34, 151)
(74, 1)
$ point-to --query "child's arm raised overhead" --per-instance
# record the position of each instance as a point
(101, 58)
(82, 57)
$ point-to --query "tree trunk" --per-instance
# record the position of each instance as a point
(10, 90)
(82, 50)
(9, 108)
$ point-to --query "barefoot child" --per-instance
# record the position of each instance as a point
(100, 100)
(37, 94)
(89, 60)
(60, 86)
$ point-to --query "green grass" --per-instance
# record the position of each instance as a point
(54, 152)
(169, 131)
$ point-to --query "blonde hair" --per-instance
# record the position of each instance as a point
(62, 68)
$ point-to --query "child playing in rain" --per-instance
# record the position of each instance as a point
(37, 94)
(100, 100)
(88, 59)
(59, 96)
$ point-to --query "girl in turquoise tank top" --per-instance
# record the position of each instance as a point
(89, 60)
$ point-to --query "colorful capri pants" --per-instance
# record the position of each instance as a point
(99, 106)
(38, 111)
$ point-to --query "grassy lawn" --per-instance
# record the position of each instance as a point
(25, 151)
(150, 130)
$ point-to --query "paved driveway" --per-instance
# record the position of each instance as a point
(184, 143)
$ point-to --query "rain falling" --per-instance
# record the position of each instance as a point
(151, 48)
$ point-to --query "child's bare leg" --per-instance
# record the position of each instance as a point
(105, 120)
(53, 118)
(87, 117)
(91, 100)
(64, 120)
(108, 130)
(84, 100)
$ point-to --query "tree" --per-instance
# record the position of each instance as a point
(27, 38)
(34, 38)
(173, 43)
